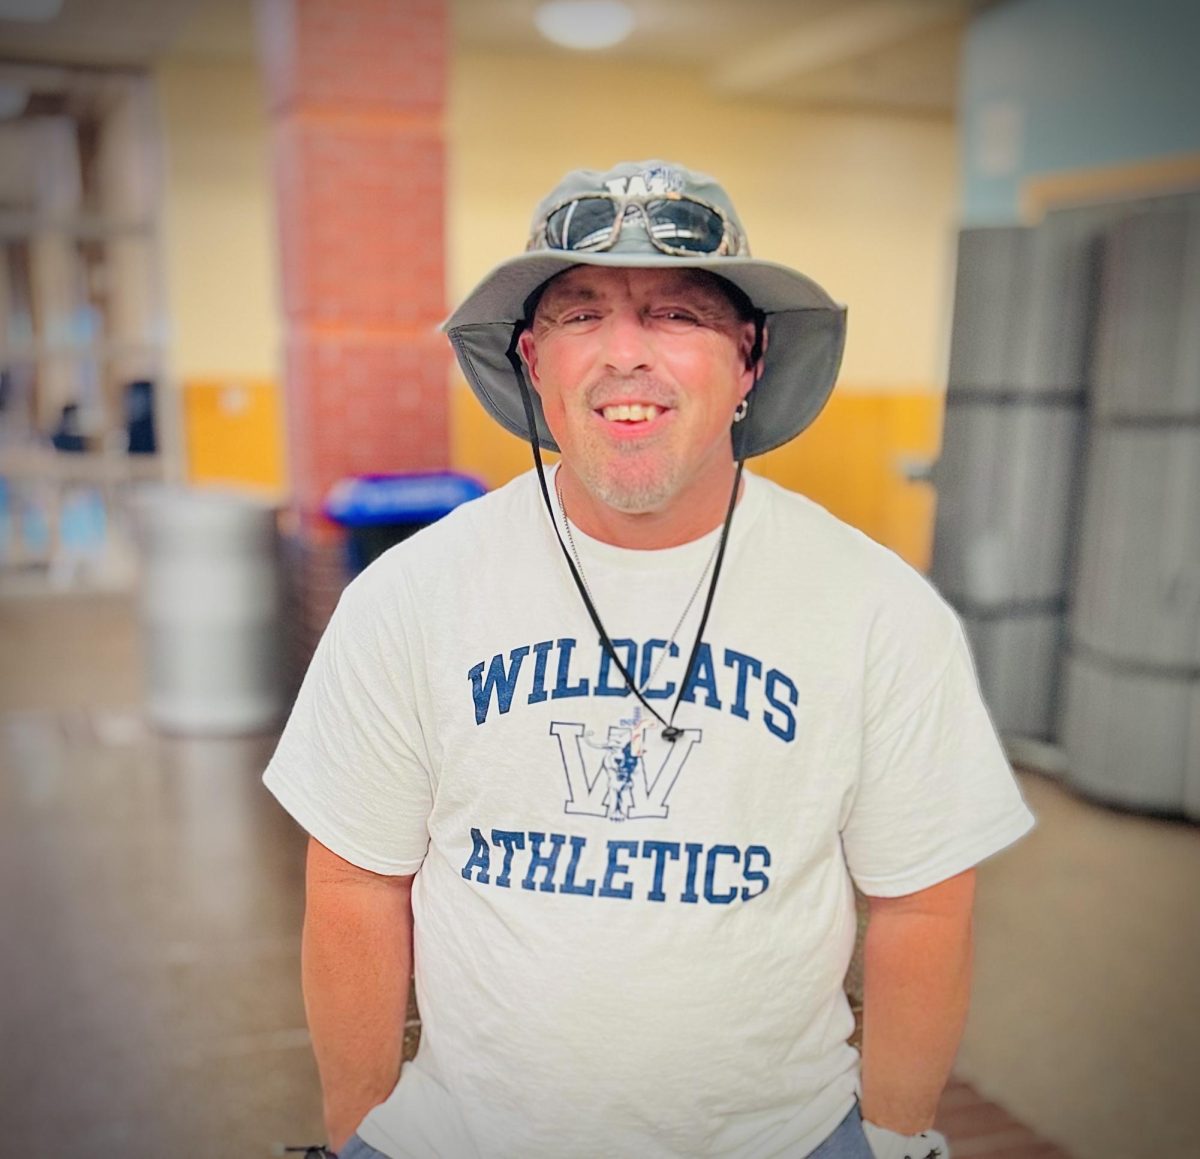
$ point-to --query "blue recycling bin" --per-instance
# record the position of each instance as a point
(379, 511)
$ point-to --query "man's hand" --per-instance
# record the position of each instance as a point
(917, 979)
(356, 965)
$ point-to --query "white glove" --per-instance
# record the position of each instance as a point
(887, 1144)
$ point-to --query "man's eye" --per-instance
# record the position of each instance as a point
(580, 316)
(681, 316)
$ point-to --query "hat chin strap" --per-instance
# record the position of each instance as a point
(670, 731)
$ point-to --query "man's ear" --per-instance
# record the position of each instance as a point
(527, 349)
(754, 356)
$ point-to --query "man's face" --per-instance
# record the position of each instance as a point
(639, 372)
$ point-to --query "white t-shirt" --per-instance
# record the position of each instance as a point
(623, 946)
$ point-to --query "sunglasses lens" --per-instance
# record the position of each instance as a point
(584, 224)
(686, 225)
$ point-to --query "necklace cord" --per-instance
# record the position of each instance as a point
(670, 731)
(643, 680)
(514, 359)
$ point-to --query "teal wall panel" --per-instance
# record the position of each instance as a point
(1054, 85)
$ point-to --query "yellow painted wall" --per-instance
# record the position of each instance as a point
(220, 248)
(234, 434)
(219, 221)
(851, 462)
(864, 203)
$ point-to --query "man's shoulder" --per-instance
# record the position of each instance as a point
(470, 527)
(463, 544)
(852, 567)
(821, 536)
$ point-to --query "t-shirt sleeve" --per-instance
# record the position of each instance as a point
(350, 766)
(936, 794)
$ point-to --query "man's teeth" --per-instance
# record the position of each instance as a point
(631, 413)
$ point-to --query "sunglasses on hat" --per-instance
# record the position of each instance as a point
(674, 223)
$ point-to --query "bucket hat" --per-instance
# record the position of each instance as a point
(655, 215)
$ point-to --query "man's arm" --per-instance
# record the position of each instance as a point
(356, 964)
(916, 986)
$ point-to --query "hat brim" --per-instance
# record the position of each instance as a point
(806, 328)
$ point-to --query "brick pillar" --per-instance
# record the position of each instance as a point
(356, 94)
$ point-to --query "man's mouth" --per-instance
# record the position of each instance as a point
(634, 412)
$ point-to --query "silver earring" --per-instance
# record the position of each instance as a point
(741, 410)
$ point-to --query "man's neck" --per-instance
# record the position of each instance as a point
(689, 515)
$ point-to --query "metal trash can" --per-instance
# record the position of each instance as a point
(380, 511)
(210, 607)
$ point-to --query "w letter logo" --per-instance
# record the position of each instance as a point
(621, 787)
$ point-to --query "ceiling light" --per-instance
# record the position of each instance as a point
(586, 24)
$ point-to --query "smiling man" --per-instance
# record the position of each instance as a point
(638, 372)
(605, 752)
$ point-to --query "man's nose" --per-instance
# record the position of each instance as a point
(627, 343)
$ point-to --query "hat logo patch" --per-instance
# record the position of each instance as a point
(659, 180)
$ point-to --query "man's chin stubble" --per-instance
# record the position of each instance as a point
(621, 486)
(633, 497)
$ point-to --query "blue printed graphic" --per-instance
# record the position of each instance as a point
(626, 869)
(624, 775)
(721, 680)
(620, 787)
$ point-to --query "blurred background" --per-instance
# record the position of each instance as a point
(228, 230)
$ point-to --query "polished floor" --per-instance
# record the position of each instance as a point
(150, 899)
(150, 902)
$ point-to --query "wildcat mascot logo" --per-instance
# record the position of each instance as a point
(657, 180)
(621, 787)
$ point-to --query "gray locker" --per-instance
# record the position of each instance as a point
(1007, 477)
(1131, 707)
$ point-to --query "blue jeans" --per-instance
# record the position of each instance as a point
(355, 1148)
(846, 1142)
